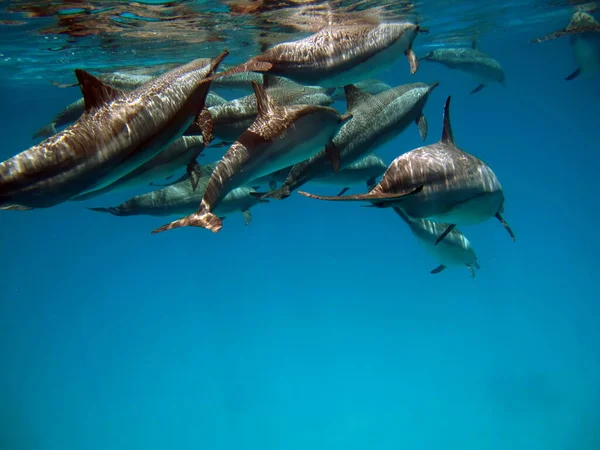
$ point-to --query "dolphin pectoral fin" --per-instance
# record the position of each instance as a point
(421, 122)
(205, 124)
(247, 216)
(371, 183)
(438, 269)
(195, 172)
(477, 89)
(272, 185)
(370, 197)
(333, 152)
(573, 75)
(471, 271)
(343, 191)
(201, 219)
(445, 233)
(412, 60)
(506, 225)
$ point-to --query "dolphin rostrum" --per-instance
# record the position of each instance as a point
(279, 137)
(454, 250)
(377, 119)
(584, 31)
(118, 132)
(338, 55)
(482, 67)
(449, 185)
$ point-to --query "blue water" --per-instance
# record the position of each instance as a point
(318, 326)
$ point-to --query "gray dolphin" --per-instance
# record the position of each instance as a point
(449, 185)
(584, 31)
(279, 137)
(377, 119)
(454, 250)
(338, 55)
(472, 61)
(231, 119)
(367, 170)
(118, 132)
(236, 82)
(180, 199)
(372, 87)
(181, 153)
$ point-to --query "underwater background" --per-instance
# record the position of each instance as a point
(318, 325)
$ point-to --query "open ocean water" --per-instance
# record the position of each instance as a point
(318, 325)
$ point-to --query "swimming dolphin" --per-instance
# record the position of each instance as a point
(377, 119)
(118, 132)
(231, 119)
(339, 55)
(454, 250)
(449, 185)
(279, 137)
(180, 199)
(584, 31)
(181, 153)
(367, 170)
(372, 87)
(236, 82)
(472, 61)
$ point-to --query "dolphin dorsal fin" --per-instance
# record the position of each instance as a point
(263, 101)
(95, 92)
(354, 96)
(447, 134)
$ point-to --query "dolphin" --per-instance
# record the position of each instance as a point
(448, 185)
(454, 250)
(118, 132)
(377, 119)
(584, 31)
(472, 61)
(279, 137)
(181, 153)
(180, 199)
(231, 119)
(372, 87)
(236, 82)
(338, 55)
(367, 170)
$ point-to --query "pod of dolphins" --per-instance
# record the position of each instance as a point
(132, 130)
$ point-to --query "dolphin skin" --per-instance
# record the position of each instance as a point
(439, 182)
(338, 55)
(279, 137)
(454, 250)
(472, 61)
(377, 119)
(118, 132)
(181, 199)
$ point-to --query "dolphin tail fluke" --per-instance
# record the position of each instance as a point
(376, 198)
(438, 269)
(45, 132)
(573, 75)
(445, 233)
(421, 122)
(412, 60)
(277, 194)
(112, 210)
(200, 219)
(506, 225)
(342, 192)
(477, 89)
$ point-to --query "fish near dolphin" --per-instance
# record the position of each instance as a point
(482, 67)
(180, 199)
(454, 250)
(584, 32)
(377, 119)
(118, 132)
(448, 185)
(279, 137)
(181, 153)
(338, 55)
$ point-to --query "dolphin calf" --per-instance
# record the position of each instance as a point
(377, 119)
(181, 153)
(454, 250)
(584, 31)
(118, 132)
(279, 137)
(472, 61)
(338, 55)
(448, 185)
(180, 199)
